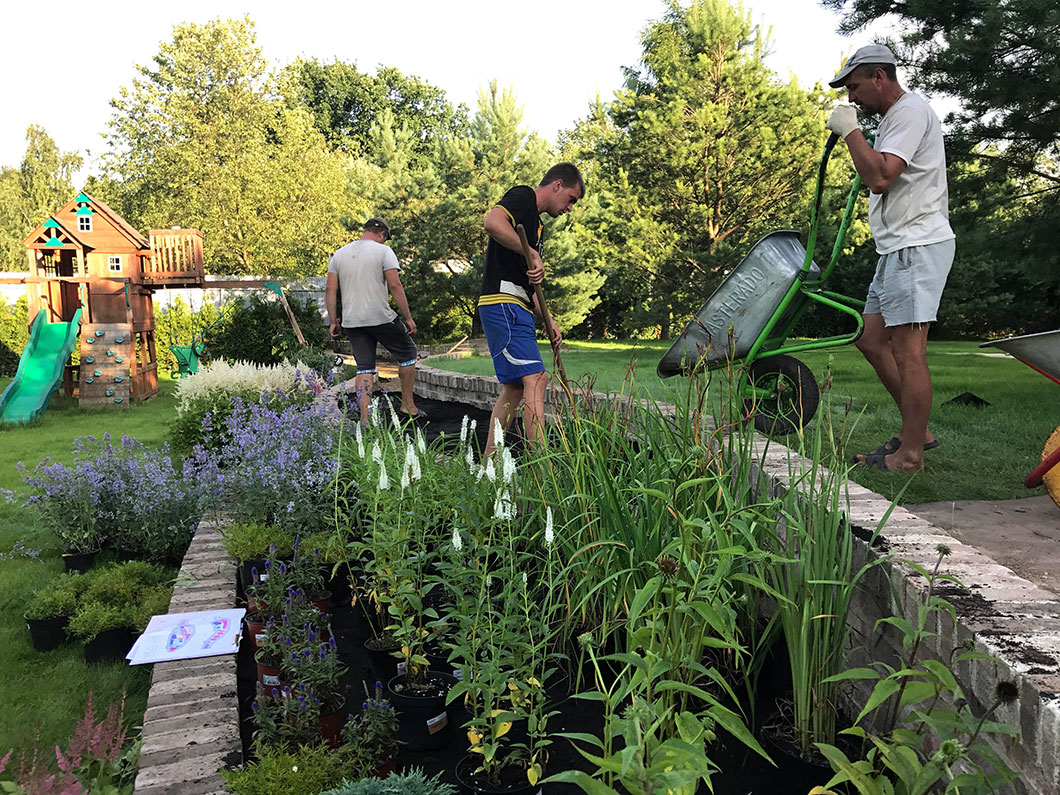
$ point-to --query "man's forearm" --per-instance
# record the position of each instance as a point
(401, 301)
(331, 302)
(870, 164)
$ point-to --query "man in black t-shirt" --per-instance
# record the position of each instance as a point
(506, 302)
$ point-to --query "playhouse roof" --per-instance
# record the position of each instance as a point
(116, 220)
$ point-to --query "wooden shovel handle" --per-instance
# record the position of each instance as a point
(546, 316)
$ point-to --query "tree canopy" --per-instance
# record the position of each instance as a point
(30, 193)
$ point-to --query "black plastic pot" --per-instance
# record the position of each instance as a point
(245, 577)
(47, 633)
(339, 585)
(110, 645)
(424, 723)
(381, 658)
(513, 780)
(79, 561)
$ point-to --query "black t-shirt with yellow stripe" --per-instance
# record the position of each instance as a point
(504, 280)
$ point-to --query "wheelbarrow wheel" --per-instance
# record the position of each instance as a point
(784, 395)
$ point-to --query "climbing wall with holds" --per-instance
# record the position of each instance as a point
(106, 359)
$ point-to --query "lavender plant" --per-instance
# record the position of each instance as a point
(277, 466)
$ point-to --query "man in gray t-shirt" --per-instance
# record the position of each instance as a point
(905, 170)
(366, 273)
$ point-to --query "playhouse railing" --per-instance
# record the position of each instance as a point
(176, 257)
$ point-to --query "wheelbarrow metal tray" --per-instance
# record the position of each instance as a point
(745, 299)
(1040, 351)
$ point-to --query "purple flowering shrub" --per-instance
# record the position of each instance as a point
(277, 465)
(124, 495)
(67, 501)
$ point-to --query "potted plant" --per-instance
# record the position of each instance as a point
(317, 667)
(300, 626)
(284, 718)
(106, 630)
(67, 501)
(372, 732)
(410, 782)
(50, 609)
(249, 544)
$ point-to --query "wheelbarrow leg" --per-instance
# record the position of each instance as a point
(1037, 475)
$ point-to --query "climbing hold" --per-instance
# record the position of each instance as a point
(117, 400)
(119, 340)
(99, 333)
(110, 352)
(90, 340)
(118, 379)
(89, 360)
(89, 380)
(97, 373)
(109, 392)
(119, 359)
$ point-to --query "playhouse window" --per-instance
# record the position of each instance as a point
(114, 264)
(84, 223)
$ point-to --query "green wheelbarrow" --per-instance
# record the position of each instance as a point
(187, 357)
(746, 322)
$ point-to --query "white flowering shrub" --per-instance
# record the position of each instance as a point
(204, 400)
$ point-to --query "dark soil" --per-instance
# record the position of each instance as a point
(744, 772)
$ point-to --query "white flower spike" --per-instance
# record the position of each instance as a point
(550, 536)
(384, 481)
(507, 466)
(458, 542)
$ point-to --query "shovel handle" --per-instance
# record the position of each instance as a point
(546, 316)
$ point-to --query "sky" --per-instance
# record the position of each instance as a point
(62, 66)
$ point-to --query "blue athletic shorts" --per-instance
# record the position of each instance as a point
(512, 337)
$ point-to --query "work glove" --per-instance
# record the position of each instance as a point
(843, 121)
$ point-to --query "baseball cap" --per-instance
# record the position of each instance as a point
(377, 223)
(870, 53)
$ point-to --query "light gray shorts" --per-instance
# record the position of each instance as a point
(908, 283)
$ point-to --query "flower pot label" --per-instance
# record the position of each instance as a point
(437, 723)
(258, 639)
(263, 576)
(401, 667)
(458, 675)
(270, 681)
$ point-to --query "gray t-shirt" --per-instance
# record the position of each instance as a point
(916, 209)
(360, 266)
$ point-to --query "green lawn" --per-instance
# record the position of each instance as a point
(984, 453)
(45, 694)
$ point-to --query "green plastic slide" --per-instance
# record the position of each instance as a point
(40, 370)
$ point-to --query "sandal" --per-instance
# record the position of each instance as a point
(419, 416)
(891, 446)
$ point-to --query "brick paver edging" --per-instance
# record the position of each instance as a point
(191, 727)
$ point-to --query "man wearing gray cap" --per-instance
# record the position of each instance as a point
(366, 273)
(905, 170)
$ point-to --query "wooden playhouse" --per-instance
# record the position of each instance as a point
(87, 256)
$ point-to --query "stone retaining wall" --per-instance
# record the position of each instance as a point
(191, 728)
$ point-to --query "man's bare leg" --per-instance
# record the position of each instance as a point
(363, 386)
(877, 345)
(534, 387)
(909, 343)
(407, 377)
(503, 411)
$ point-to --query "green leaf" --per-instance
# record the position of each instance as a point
(854, 673)
(734, 725)
(883, 690)
(581, 779)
